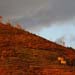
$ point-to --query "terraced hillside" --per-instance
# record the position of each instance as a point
(24, 53)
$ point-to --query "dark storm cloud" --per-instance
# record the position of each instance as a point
(38, 13)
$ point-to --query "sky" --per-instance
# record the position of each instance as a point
(50, 19)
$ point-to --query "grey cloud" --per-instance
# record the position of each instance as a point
(38, 13)
(19, 7)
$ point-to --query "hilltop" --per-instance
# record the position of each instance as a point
(24, 53)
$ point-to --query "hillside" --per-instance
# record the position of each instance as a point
(24, 53)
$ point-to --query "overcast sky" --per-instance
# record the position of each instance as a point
(36, 15)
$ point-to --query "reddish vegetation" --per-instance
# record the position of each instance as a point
(24, 53)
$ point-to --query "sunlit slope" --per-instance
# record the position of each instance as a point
(24, 53)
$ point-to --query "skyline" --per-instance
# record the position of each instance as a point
(42, 16)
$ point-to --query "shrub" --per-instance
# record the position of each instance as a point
(70, 62)
(73, 62)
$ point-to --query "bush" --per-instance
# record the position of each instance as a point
(73, 62)
(70, 62)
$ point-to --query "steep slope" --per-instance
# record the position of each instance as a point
(25, 38)
(24, 53)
